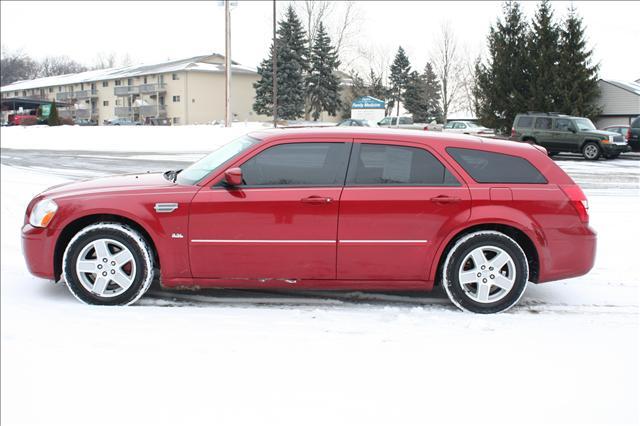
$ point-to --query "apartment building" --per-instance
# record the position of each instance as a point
(186, 91)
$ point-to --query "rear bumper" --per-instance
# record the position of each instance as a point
(38, 248)
(571, 255)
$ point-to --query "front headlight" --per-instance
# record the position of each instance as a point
(42, 213)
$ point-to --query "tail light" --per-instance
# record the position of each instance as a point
(629, 134)
(578, 200)
(513, 132)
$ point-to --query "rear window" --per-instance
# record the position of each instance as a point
(525, 122)
(491, 167)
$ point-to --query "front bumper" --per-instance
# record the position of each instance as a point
(612, 148)
(38, 250)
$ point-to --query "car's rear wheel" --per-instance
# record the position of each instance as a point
(485, 272)
(591, 151)
(108, 264)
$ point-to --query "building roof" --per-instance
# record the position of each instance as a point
(206, 63)
(633, 87)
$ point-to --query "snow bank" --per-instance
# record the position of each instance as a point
(201, 138)
(567, 354)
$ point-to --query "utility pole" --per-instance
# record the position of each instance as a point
(227, 65)
(275, 70)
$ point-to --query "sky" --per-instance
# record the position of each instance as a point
(160, 30)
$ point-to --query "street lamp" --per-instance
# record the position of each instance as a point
(227, 59)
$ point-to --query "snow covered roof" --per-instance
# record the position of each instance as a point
(206, 63)
(633, 87)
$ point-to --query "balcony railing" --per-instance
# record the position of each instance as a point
(63, 96)
(123, 111)
(152, 88)
(85, 94)
(152, 110)
(126, 90)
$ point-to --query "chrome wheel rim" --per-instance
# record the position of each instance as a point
(591, 151)
(487, 274)
(106, 267)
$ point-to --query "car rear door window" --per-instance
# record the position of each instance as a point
(492, 167)
(298, 164)
(378, 164)
(525, 122)
(543, 123)
(562, 125)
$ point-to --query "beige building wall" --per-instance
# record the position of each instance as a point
(206, 101)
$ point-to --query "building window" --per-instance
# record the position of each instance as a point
(105, 84)
(59, 88)
(24, 93)
(50, 89)
(176, 120)
(145, 80)
(117, 102)
(16, 93)
(129, 82)
(176, 99)
(105, 103)
(174, 76)
(117, 83)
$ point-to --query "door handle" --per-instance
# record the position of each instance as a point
(316, 199)
(443, 199)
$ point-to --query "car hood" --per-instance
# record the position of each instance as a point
(111, 184)
(599, 133)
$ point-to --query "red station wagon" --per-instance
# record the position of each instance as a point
(341, 208)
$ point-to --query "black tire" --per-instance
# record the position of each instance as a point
(591, 151)
(461, 295)
(140, 266)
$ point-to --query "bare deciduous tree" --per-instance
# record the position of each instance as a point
(59, 65)
(448, 67)
(16, 66)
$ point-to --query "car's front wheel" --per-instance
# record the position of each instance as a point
(108, 264)
(485, 272)
(591, 151)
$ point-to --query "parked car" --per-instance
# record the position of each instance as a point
(357, 122)
(153, 121)
(321, 209)
(402, 123)
(467, 128)
(563, 133)
(633, 136)
(22, 119)
(85, 122)
(122, 122)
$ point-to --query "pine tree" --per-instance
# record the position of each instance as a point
(432, 86)
(323, 85)
(578, 76)
(400, 70)
(54, 118)
(422, 96)
(502, 84)
(545, 57)
(292, 66)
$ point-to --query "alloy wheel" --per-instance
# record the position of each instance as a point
(487, 274)
(106, 267)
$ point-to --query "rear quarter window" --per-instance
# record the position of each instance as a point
(526, 122)
(493, 167)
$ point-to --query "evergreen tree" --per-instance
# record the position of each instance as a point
(502, 84)
(578, 77)
(377, 89)
(545, 57)
(432, 86)
(323, 85)
(292, 66)
(54, 118)
(399, 77)
(422, 96)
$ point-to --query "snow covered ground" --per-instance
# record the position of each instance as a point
(567, 354)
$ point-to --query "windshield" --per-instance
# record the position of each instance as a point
(201, 168)
(584, 124)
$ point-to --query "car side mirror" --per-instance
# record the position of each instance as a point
(233, 176)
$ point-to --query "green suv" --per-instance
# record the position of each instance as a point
(563, 133)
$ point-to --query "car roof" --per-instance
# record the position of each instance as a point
(402, 135)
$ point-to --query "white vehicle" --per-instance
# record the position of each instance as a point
(467, 128)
